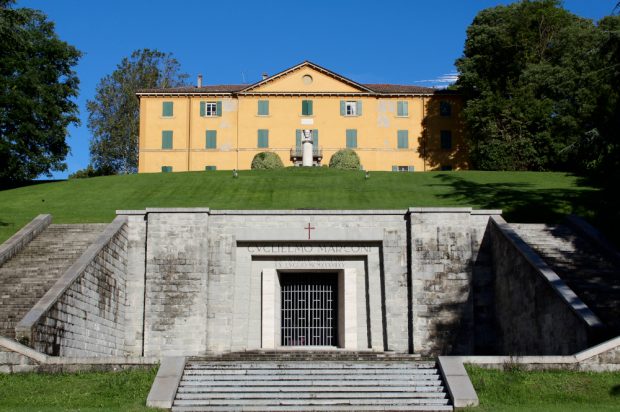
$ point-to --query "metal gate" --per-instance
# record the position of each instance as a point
(309, 308)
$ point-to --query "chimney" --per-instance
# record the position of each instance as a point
(199, 82)
(265, 75)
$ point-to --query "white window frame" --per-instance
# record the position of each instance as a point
(403, 168)
(210, 109)
(350, 108)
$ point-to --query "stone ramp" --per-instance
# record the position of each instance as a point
(28, 275)
(327, 384)
(585, 269)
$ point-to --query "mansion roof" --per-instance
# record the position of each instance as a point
(241, 89)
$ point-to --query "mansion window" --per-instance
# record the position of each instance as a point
(445, 109)
(211, 139)
(210, 109)
(263, 107)
(402, 168)
(402, 109)
(167, 109)
(446, 139)
(210, 168)
(263, 138)
(351, 138)
(306, 107)
(350, 108)
(403, 139)
(166, 139)
(166, 169)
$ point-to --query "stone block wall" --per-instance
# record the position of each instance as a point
(175, 315)
(535, 313)
(444, 247)
(88, 318)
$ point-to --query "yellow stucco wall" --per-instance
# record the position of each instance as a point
(237, 127)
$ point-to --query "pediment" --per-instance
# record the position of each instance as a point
(306, 78)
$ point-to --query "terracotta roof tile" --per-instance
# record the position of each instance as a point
(398, 88)
(220, 88)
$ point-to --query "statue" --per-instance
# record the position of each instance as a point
(306, 141)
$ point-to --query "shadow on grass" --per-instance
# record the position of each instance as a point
(4, 185)
(521, 202)
(615, 391)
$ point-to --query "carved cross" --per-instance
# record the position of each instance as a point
(309, 228)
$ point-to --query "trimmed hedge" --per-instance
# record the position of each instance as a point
(345, 159)
(267, 160)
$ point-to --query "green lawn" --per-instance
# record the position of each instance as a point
(552, 391)
(524, 196)
(549, 391)
(111, 391)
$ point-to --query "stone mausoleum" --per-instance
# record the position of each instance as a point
(429, 281)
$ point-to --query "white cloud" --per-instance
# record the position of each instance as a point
(442, 80)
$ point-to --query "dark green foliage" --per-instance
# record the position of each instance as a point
(345, 159)
(90, 171)
(37, 84)
(267, 160)
(539, 88)
(113, 117)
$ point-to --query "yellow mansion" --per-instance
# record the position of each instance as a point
(390, 127)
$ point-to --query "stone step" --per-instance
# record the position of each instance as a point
(327, 385)
(28, 275)
(589, 273)
(350, 394)
(314, 382)
(299, 408)
(388, 372)
(395, 401)
(424, 367)
(423, 390)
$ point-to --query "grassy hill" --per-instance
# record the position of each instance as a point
(524, 196)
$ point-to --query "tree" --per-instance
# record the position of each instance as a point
(37, 85)
(113, 117)
(528, 74)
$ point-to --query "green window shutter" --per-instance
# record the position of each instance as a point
(402, 109)
(166, 139)
(218, 108)
(263, 138)
(211, 139)
(394, 168)
(167, 109)
(403, 139)
(315, 139)
(166, 169)
(446, 139)
(202, 109)
(343, 108)
(298, 138)
(306, 107)
(263, 107)
(359, 107)
(351, 138)
(210, 168)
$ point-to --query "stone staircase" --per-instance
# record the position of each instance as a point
(587, 271)
(311, 382)
(30, 273)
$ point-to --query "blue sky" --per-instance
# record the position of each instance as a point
(404, 42)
